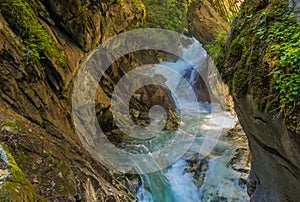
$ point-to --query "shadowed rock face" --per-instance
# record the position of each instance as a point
(210, 17)
(275, 164)
(205, 21)
(275, 155)
(35, 96)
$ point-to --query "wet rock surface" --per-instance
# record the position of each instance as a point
(197, 168)
(240, 162)
(139, 107)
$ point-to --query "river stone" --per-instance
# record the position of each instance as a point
(197, 167)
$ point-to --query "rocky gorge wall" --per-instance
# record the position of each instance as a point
(269, 120)
(42, 44)
(261, 42)
(208, 18)
(46, 159)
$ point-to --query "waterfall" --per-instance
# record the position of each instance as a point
(197, 58)
(174, 184)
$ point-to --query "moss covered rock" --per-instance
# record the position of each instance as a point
(49, 160)
(260, 64)
(17, 187)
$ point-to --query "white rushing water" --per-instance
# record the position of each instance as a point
(174, 184)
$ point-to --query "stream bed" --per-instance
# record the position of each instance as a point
(202, 173)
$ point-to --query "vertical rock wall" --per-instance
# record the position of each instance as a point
(35, 86)
(273, 140)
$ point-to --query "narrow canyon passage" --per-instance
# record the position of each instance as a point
(156, 124)
(215, 164)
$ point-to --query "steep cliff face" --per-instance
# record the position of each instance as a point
(260, 59)
(42, 44)
(205, 21)
(207, 18)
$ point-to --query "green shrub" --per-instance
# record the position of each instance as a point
(167, 14)
(214, 48)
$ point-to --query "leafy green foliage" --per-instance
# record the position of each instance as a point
(283, 57)
(261, 59)
(167, 14)
(22, 17)
(214, 48)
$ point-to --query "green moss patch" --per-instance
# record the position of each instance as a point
(18, 187)
(263, 58)
(283, 59)
(11, 123)
(22, 17)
